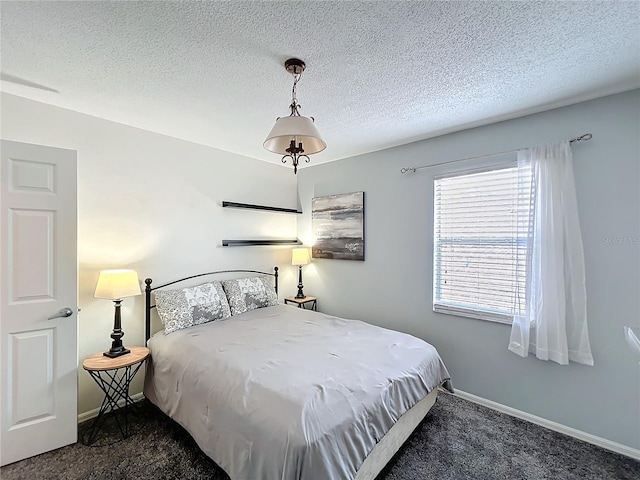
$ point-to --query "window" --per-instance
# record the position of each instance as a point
(481, 229)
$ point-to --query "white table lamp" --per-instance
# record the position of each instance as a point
(300, 257)
(116, 285)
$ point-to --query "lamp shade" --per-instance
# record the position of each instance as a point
(297, 128)
(117, 284)
(300, 256)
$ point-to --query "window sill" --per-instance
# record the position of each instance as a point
(475, 314)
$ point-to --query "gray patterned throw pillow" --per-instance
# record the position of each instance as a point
(249, 293)
(191, 306)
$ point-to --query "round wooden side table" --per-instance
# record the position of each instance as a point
(113, 376)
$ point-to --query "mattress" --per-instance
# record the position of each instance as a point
(286, 393)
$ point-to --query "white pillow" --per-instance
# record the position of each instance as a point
(191, 306)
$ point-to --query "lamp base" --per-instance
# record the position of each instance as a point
(300, 286)
(115, 352)
(117, 348)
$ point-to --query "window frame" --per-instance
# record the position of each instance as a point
(462, 310)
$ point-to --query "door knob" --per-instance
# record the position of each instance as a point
(65, 312)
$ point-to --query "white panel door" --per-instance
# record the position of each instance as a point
(38, 354)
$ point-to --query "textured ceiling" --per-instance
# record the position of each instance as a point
(379, 73)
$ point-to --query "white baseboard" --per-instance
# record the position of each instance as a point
(83, 417)
(558, 427)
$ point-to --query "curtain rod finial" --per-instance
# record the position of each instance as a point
(585, 137)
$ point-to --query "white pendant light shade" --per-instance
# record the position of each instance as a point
(297, 128)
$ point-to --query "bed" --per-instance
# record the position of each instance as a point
(277, 392)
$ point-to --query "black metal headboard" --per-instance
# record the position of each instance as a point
(148, 289)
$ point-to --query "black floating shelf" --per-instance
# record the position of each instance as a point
(259, 207)
(258, 243)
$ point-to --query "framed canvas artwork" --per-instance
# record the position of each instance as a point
(338, 226)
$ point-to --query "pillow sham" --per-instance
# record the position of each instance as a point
(246, 294)
(190, 306)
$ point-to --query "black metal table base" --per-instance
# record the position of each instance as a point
(313, 303)
(115, 385)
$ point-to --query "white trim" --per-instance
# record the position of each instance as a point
(83, 417)
(477, 313)
(557, 427)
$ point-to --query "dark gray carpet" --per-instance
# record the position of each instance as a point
(458, 440)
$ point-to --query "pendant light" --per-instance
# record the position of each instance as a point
(295, 137)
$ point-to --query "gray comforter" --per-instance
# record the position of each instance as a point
(285, 393)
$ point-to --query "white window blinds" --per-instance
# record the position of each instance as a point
(481, 229)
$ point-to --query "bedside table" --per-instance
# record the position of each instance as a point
(301, 302)
(113, 376)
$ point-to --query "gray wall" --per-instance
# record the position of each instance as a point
(393, 286)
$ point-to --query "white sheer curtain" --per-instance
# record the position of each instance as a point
(554, 326)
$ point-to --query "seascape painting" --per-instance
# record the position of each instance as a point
(338, 226)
